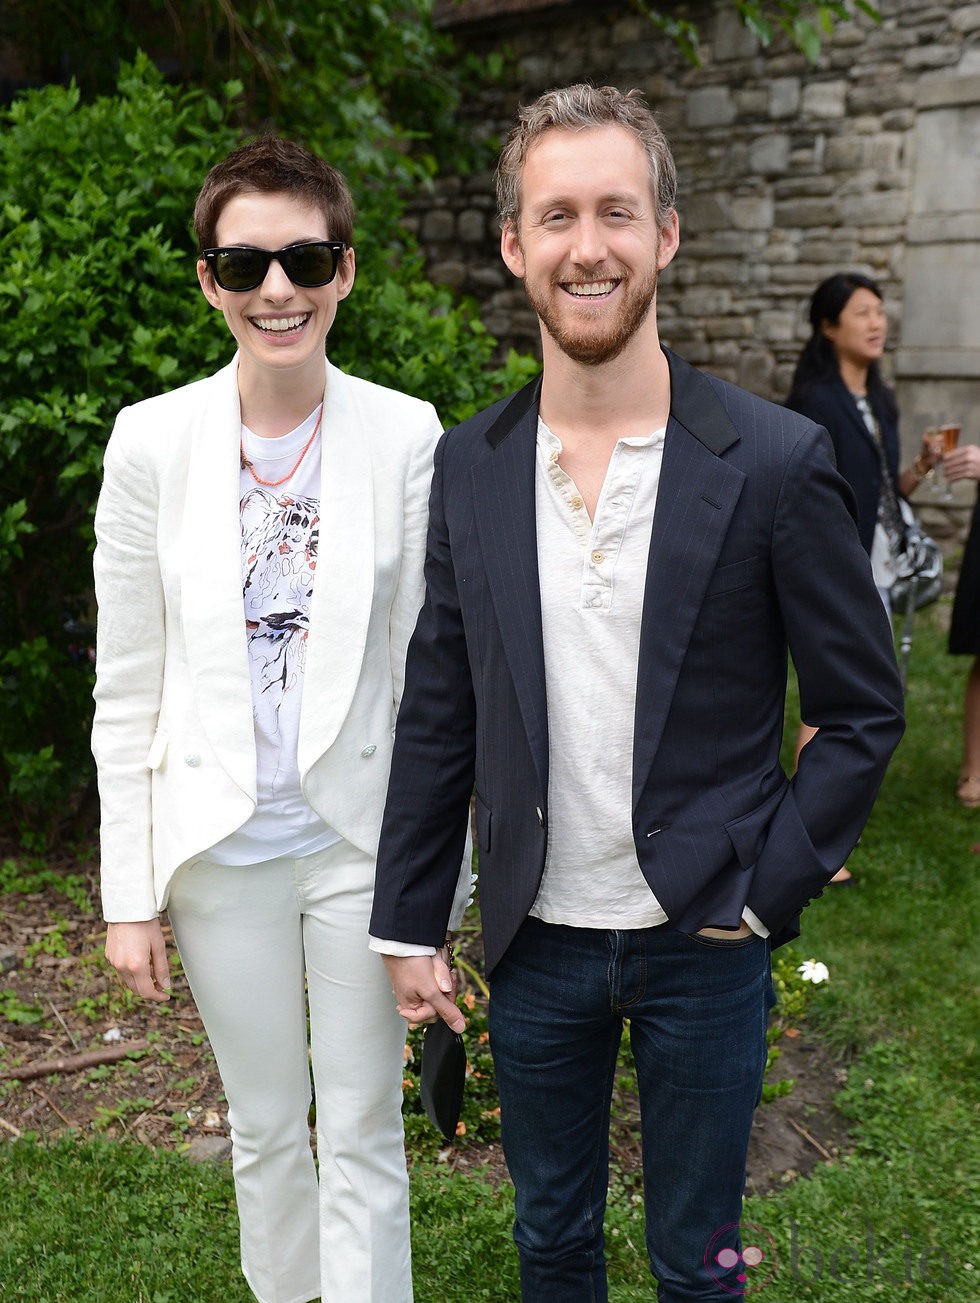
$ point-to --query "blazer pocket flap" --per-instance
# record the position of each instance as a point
(158, 749)
(748, 832)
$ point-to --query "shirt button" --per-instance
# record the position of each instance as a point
(554, 454)
(193, 760)
(369, 751)
(598, 558)
(576, 503)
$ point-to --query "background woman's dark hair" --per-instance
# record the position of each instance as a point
(818, 361)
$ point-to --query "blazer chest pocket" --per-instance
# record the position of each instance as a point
(738, 575)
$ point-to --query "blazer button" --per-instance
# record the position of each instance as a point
(369, 751)
(540, 813)
(192, 759)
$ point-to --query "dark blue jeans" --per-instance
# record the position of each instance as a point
(697, 1011)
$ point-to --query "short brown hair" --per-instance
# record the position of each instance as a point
(272, 165)
(575, 108)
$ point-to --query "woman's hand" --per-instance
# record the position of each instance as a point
(925, 462)
(962, 463)
(929, 454)
(138, 953)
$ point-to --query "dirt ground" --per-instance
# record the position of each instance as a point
(61, 1010)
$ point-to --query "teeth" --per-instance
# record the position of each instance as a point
(592, 289)
(278, 325)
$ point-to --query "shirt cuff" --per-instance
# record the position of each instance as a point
(400, 949)
(756, 924)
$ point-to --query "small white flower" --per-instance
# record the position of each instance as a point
(812, 970)
(113, 1034)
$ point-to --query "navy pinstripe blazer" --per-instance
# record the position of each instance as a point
(753, 552)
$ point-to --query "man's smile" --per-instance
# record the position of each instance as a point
(589, 289)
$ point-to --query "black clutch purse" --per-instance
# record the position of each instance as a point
(442, 1076)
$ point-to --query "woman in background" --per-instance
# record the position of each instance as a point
(838, 384)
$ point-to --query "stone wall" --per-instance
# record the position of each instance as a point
(788, 172)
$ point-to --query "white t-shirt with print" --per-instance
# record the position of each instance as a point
(280, 536)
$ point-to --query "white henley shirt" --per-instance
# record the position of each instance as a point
(592, 575)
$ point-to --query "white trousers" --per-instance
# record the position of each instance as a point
(247, 936)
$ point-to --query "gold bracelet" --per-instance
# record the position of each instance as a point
(917, 470)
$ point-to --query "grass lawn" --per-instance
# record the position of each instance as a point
(99, 1222)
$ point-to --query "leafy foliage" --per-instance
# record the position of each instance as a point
(97, 296)
(371, 77)
(282, 49)
(805, 22)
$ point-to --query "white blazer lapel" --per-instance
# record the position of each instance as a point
(343, 589)
(211, 581)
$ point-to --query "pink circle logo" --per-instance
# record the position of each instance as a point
(757, 1262)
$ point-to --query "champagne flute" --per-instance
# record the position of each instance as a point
(935, 442)
(950, 436)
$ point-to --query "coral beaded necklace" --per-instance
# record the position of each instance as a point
(274, 484)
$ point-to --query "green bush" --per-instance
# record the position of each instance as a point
(97, 295)
(101, 307)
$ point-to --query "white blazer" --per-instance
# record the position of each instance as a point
(173, 735)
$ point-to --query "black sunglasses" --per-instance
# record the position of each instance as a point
(240, 267)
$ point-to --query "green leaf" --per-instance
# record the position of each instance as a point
(808, 38)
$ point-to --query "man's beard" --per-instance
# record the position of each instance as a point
(590, 347)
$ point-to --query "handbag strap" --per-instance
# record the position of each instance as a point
(888, 509)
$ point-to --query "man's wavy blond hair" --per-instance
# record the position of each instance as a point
(576, 108)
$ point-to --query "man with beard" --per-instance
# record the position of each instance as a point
(619, 558)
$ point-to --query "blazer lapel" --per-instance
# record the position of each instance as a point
(211, 581)
(343, 589)
(504, 508)
(695, 500)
